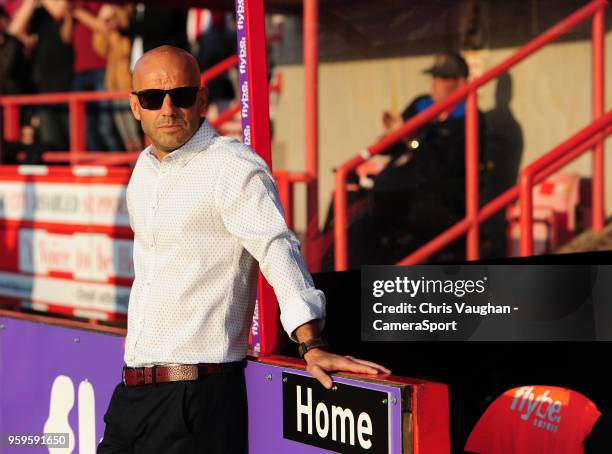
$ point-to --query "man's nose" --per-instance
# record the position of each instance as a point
(168, 108)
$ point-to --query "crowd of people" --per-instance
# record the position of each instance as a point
(53, 46)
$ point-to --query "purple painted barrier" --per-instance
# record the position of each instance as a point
(59, 379)
(33, 356)
(265, 401)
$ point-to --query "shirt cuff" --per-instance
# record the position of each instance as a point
(308, 305)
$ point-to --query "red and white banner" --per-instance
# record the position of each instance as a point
(65, 239)
(86, 204)
(82, 299)
(85, 256)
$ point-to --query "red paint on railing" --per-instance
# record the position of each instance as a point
(528, 175)
(471, 175)
(218, 69)
(495, 205)
(598, 37)
(76, 104)
(311, 127)
(286, 182)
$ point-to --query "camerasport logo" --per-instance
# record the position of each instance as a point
(538, 409)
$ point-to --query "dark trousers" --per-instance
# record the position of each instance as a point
(204, 416)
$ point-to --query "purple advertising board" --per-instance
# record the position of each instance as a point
(56, 377)
(265, 404)
(243, 68)
(59, 379)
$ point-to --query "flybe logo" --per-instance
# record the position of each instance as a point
(538, 409)
(347, 419)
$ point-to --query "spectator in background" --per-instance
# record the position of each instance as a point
(153, 26)
(28, 150)
(115, 48)
(89, 69)
(46, 27)
(213, 43)
(423, 185)
(421, 191)
(14, 70)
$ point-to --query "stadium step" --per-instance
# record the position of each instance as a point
(590, 241)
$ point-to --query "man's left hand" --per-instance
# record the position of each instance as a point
(320, 363)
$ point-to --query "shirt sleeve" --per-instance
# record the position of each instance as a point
(250, 208)
(128, 197)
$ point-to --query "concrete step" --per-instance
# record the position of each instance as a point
(590, 241)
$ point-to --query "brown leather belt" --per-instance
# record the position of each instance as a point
(139, 376)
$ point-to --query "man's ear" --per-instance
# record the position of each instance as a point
(134, 105)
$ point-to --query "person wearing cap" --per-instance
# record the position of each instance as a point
(448, 73)
(423, 184)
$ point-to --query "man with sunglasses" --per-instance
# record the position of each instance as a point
(205, 211)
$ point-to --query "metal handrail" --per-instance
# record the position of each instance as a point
(76, 105)
(555, 159)
(546, 165)
(469, 92)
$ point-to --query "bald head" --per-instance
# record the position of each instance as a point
(169, 125)
(161, 63)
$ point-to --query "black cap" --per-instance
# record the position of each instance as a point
(448, 65)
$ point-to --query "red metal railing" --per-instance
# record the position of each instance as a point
(218, 69)
(551, 162)
(76, 106)
(286, 182)
(545, 166)
(470, 224)
(311, 125)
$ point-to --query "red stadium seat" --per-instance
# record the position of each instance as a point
(534, 420)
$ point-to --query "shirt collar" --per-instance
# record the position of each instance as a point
(200, 141)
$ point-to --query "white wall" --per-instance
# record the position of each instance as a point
(551, 100)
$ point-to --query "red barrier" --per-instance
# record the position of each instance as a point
(76, 107)
(67, 243)
(426, 418)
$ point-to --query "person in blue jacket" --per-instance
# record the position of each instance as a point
(421, 191)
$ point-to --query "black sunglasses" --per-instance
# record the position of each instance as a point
(153, 98)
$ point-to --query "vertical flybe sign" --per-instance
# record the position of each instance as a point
(346, 419)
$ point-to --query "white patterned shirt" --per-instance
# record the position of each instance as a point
(203, 217)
